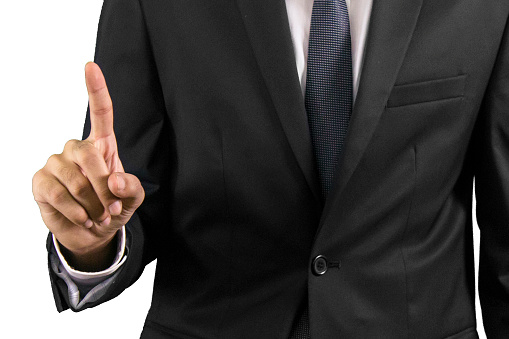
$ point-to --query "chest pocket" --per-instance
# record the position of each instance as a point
(427, 91)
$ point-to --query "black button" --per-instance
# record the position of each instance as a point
(320, 265)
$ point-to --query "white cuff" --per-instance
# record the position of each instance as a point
(92, 278)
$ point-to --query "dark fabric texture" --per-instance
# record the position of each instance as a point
(301, 328)
(209, 114)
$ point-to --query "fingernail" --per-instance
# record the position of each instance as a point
(115, 208)
(89, 223)
(106, 221)
(120, 182)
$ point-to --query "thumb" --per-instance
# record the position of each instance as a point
(101, 107)
(128, 188)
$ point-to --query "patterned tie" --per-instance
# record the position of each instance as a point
(328, 98)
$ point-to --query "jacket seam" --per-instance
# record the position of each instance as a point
(402, 252)
(228, 221)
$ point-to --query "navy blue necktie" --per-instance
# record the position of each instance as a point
(328, 98)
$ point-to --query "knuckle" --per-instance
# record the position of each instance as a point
(141, 190)
(85, 152)
(66, 174)
(79, 187)
(104, 109)
(69, 145)
(56, 194)
(53, 160)
(137, 189)
(37, 182)
(36, 179)
(134, 183)
(81, 146)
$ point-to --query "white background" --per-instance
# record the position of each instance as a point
(44, 47)
(43, 99)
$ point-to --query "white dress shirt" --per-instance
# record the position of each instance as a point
(299, 16)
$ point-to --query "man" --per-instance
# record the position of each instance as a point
(252, 239)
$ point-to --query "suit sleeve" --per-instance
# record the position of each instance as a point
(124, 53)
(492, 192)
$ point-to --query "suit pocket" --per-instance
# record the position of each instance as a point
(427, 91)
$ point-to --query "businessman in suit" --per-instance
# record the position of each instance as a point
(214, 132)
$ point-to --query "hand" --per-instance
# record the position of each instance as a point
(83, 193)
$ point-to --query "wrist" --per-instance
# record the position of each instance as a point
(91, 259)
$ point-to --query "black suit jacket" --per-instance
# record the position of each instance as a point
(209, 115)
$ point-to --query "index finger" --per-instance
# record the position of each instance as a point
(101, 107)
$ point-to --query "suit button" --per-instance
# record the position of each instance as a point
(320, 265)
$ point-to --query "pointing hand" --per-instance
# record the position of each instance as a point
(83, 193)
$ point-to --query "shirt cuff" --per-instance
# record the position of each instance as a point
(92, 278)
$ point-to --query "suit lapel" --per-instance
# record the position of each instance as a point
(391, 27)
(266, 23)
